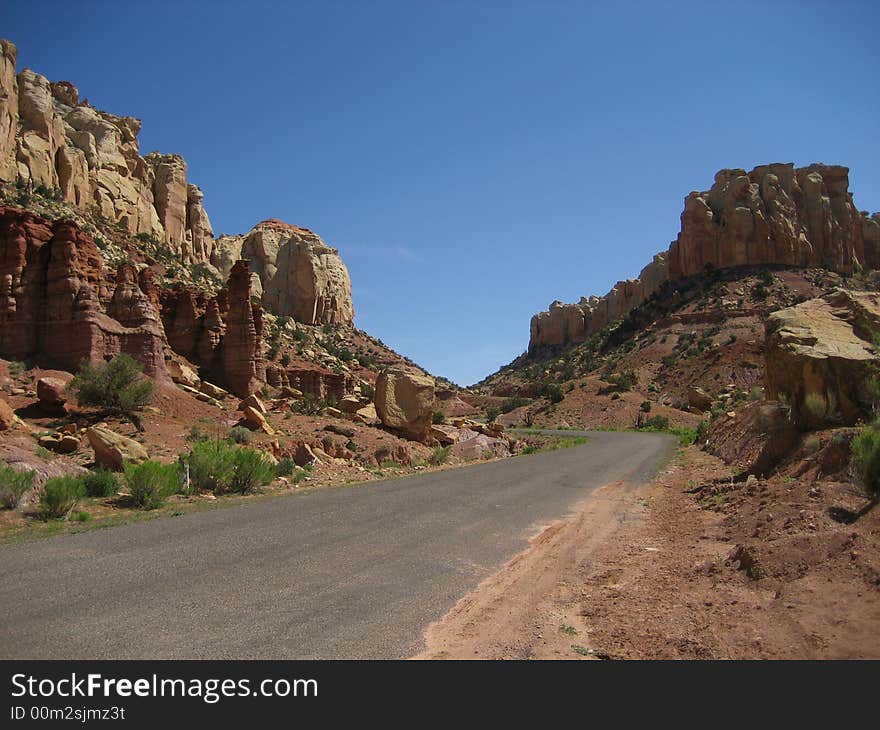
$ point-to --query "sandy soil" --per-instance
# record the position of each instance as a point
(656, 572)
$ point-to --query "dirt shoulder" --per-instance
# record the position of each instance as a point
(656, 572)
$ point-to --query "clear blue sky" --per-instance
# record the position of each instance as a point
(473, 161)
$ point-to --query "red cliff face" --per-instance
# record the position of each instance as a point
(222, 335)
(51, 299)
(57, 308)
(774, 215)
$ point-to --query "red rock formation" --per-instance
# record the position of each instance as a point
(774, 215)
(51, 291)
(244, 369)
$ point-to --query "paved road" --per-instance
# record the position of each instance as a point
(348, 572)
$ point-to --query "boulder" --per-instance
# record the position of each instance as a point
(183, 374)
(112, 450)
(252, 401)
(303, 454)
(349, 404)
(52, 392)
(405, 401)
(212, 390)
(254, 420)
(480, 447)
(820, 355)
(698, 399)
(7, 416)
(60, 443)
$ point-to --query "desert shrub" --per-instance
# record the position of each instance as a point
(308, 405)
(492, 412)
(249, 471)
(645, 407)
(866, 458)
(351, 445)
(13, 485)
(285, 359)
(440, 455)
(513, 403)
(285, 467)
(60, 495)
(100, 483)
(219, 467)
(239, 435)
(816, 405)
(813, 444)
(367, 391)
(210, 466)
(659, 423)
(116, 386)
(623, 381)
(151, 483)
(16, 368)
(438, 417)
(756, 393)
(553, 391)
(700, 434)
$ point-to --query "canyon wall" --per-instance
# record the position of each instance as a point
(774, 215)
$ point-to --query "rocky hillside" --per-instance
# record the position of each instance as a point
(775, 215)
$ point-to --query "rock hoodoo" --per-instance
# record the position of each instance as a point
(774, 215)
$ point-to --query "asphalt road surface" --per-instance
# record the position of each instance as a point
(346, 572)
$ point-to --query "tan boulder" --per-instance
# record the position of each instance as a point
(699, 399)
(349, 404)
(405, 401)
(7, 416)
(368, 413)
(60, 443)
(112, 450)
(182, 373)
(213, 390)
(292, 393)
(252, 401)
(819, 357)
(256, 421)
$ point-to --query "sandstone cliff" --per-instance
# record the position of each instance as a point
(774, 215)
(49, 138)
(294, 272)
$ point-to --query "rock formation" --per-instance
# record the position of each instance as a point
(820, 355)
(295, 273)
(405, 401)
(774, 215)
(51, 292)
(49, 137)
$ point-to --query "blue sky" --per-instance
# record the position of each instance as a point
(472, 161)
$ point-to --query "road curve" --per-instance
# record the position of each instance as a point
(347, 572)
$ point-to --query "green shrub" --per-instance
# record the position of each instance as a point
(116, 386)
(308, 405)
(100, 483)
(239, 435)
(16, 368)
(151, 483)
(285, 467)
(438, 417)
(210, 466)
(60, 495)
(13, 485)
(440, 455)
(249, 471)
(492, 412)
(645, 407)
(367, 391)
(866, 457)
(624, 381)
(658, 423)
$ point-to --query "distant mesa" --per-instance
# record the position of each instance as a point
(774, 215)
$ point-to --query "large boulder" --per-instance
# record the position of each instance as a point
(112, 450)
(405, 401)
(820, 357)
(52, 391)
(7, 416)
